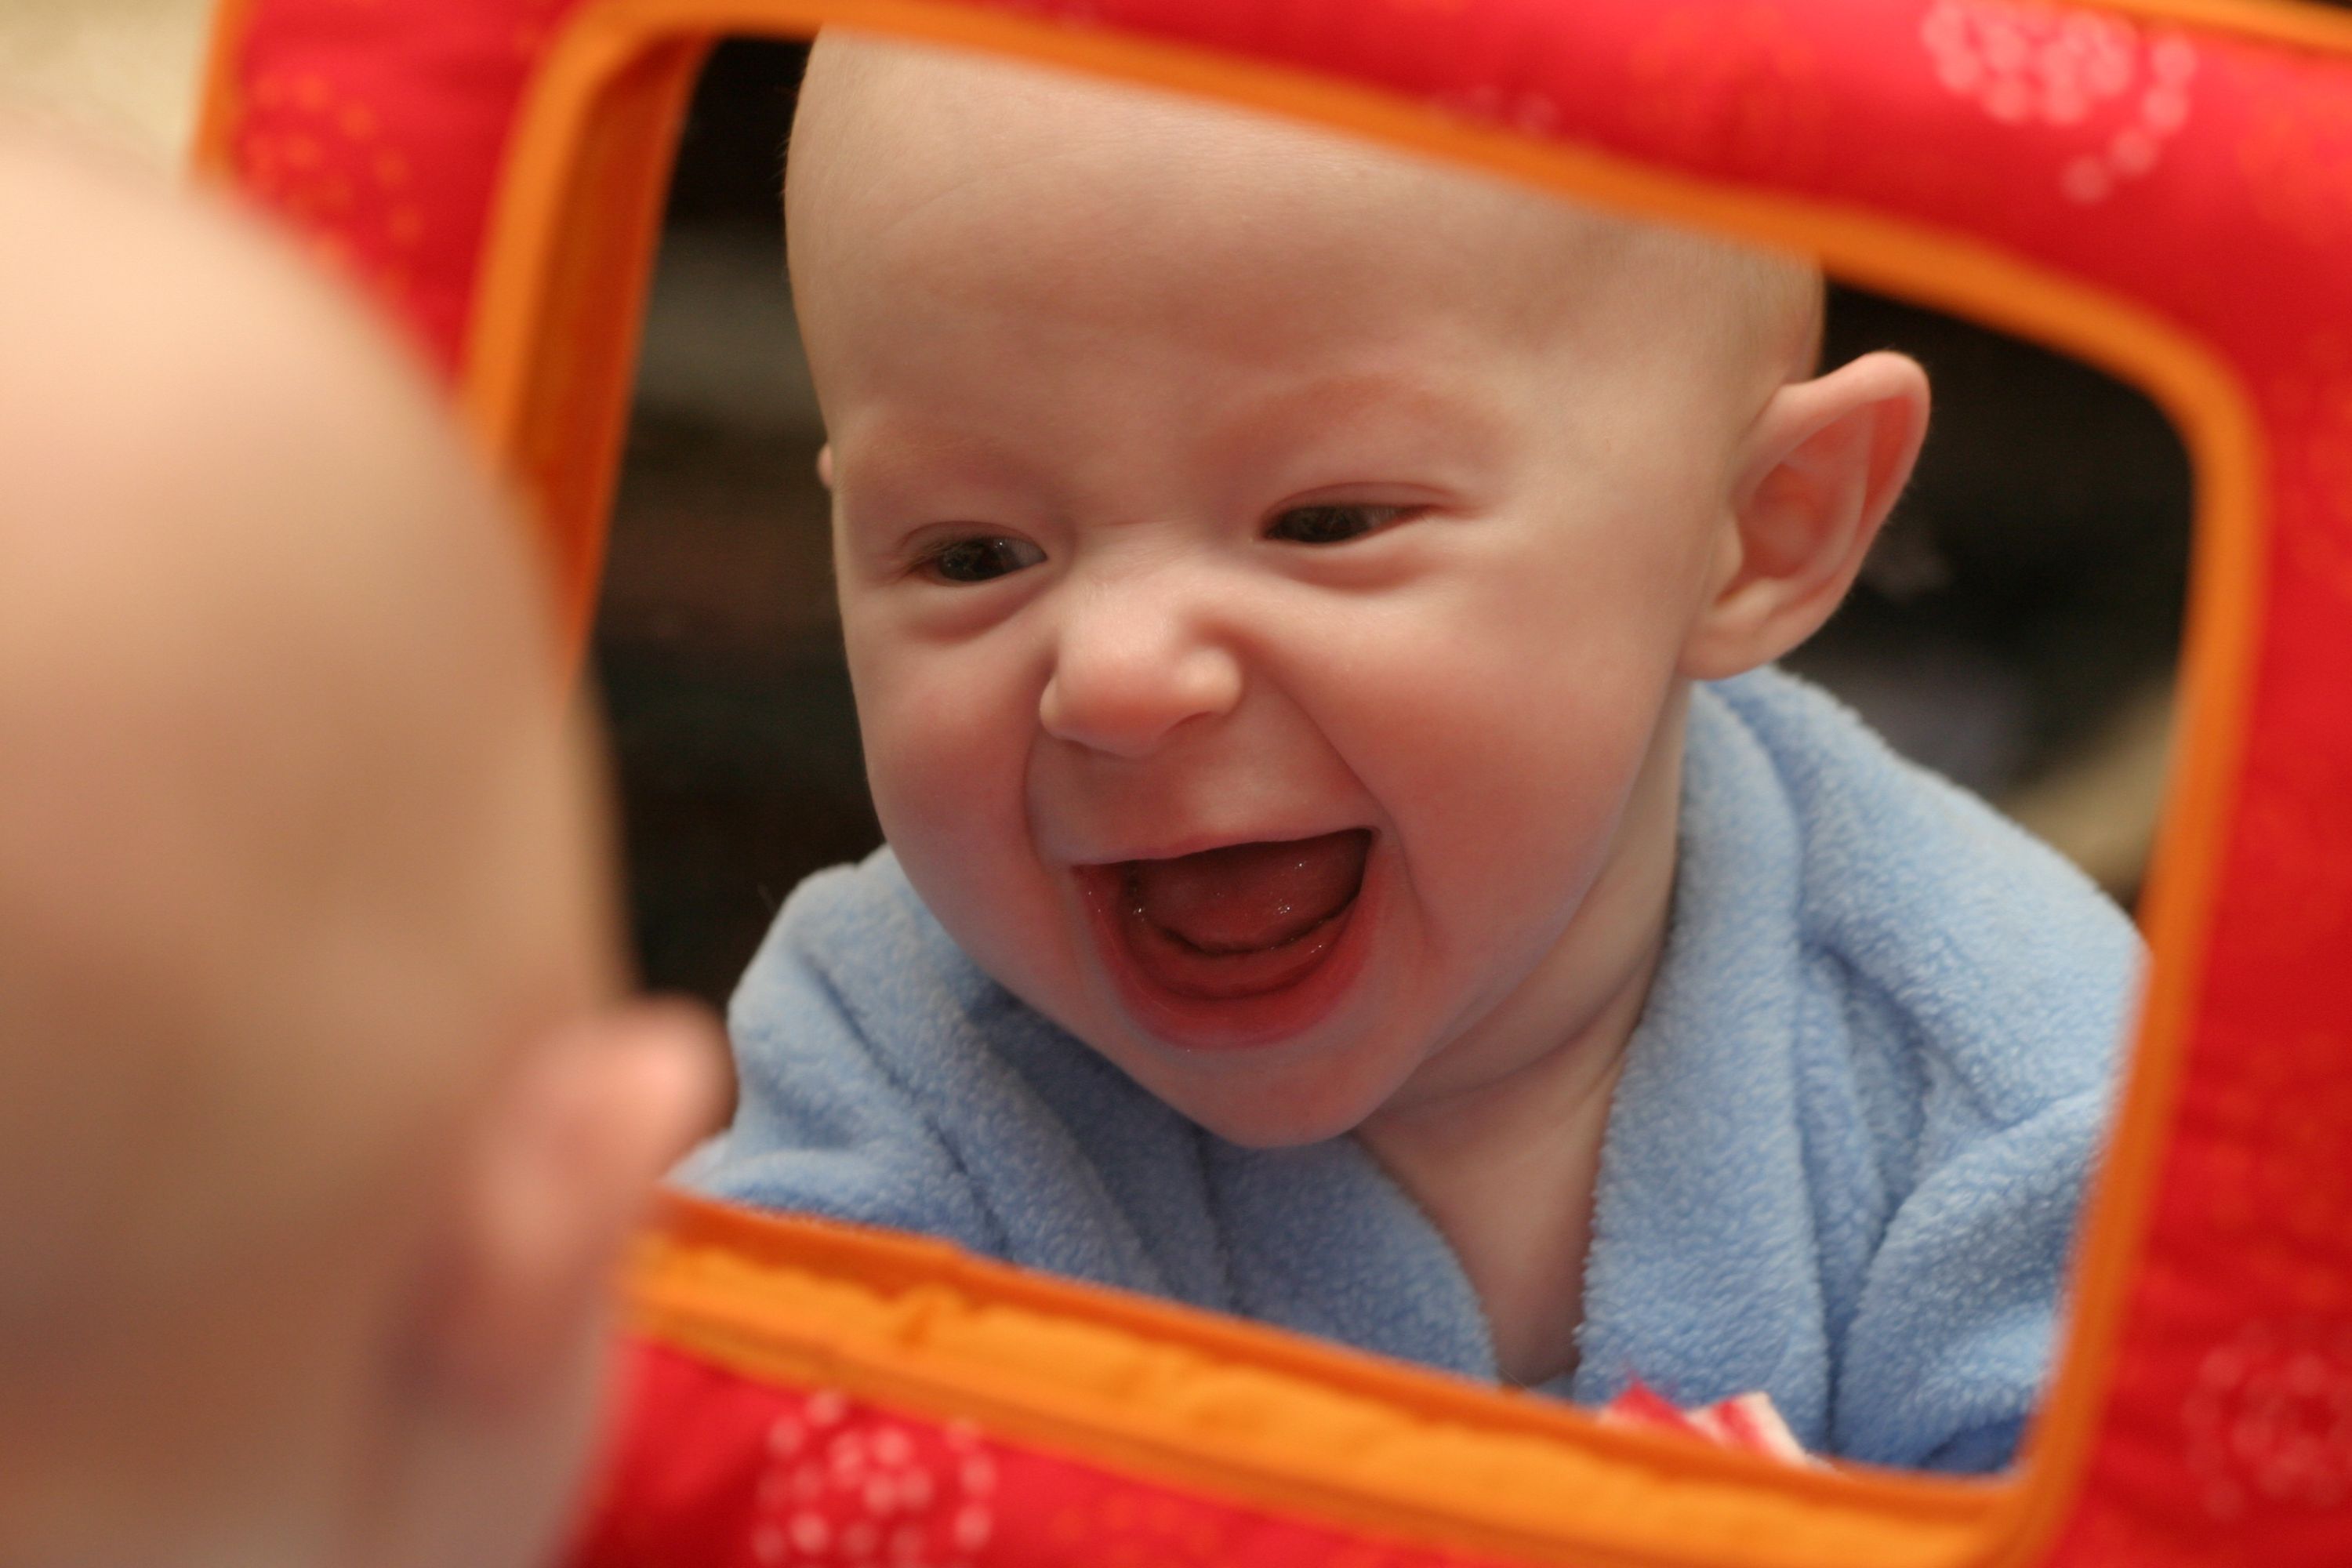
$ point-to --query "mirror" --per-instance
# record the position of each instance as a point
(2014, 627)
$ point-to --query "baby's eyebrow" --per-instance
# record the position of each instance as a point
(1466, 418)
(893, 449)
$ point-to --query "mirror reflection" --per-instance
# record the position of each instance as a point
(1388, 697)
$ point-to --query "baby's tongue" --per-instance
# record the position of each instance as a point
(1247, 897)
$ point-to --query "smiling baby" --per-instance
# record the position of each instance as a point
(1301, 604)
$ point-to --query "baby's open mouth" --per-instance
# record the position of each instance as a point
(1244, 919)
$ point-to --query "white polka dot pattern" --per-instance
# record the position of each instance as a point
(847, 1488)
(2269, 1418)
(2113, 93)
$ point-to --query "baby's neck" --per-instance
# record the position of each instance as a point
(1508, 1176)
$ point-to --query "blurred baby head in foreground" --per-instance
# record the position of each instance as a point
(1273, 566)
(322, 1115)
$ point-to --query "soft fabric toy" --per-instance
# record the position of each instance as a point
(2159, 185)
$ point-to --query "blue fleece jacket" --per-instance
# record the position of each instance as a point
(1842, 1164)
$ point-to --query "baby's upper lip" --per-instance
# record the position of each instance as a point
(1174, 846)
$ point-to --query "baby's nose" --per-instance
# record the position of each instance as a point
(1130, 668)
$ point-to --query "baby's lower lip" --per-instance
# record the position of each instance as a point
(1227, 997)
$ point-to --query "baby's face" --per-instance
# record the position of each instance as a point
(1265, 568)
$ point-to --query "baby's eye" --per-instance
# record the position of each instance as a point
(979, 560)
(1331, 522)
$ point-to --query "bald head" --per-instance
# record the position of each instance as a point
(1112, 199)
(273, 701)
(322, 1118)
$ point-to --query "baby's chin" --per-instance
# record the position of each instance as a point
(1256, 1102)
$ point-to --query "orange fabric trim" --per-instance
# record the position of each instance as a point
(554, 351)
(1246, 1413)
(1950, 271)
(2289, 22)
(222, 105)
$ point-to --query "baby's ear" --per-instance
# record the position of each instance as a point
(825, 465)
(556, 1173)
(1821, 468)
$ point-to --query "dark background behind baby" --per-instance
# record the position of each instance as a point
(2016, 627)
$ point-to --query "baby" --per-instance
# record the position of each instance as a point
(1287, 586)
(322, 1119)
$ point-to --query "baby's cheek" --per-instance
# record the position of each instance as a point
(946, 766)
(1507, 788)
(942, 751)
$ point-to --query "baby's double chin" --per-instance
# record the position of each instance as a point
(1322, 1084)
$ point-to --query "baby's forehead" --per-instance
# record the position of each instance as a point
(929, 178)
